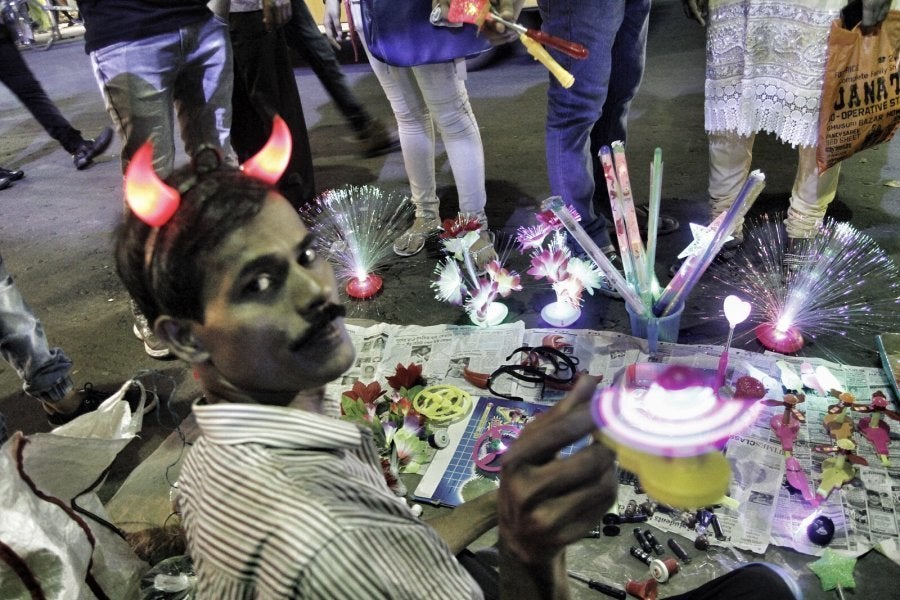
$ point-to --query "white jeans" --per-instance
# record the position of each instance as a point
(729, 164)
(423, 97)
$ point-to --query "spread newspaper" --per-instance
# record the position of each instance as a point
(865, 511)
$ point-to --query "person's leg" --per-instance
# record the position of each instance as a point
(303, 35)
(729, 165)
(444, 90)
(416, 131)
(16, 75)
(751, 582)
(571, 113)
(264, 86)
(203, 88)
(44, 371)
(136, 80)
(810, 196)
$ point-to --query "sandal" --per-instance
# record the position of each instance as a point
(413, 239)
(483, 251)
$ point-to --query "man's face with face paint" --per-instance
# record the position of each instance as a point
(271, 310)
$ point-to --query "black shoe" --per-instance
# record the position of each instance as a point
(729, 249)
(376, 140)
(91, 399)
(5, 182)
(12, 175)
(665, 226)
(606, 287)
(88, 150)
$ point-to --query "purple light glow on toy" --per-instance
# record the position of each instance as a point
(839, 284)
(670, 410)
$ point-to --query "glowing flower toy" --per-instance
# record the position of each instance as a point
(838, 284)
(458, 281)
(667, 423)
(355, 228)
(568, 275)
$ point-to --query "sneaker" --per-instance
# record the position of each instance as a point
(91, 398)
(5, 182)
(376, 139)
(153, 346)
(483, 250)
(88, 150)
(413, 239)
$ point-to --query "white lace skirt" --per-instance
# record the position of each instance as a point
(765, 63)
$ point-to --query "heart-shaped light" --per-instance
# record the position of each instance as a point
(736, 310)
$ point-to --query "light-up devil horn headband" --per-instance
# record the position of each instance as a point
(154, 202)
(270, 162)
(146, 194)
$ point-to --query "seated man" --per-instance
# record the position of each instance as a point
(279, 498)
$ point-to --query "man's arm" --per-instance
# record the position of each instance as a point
(547, 501)
(467, 522)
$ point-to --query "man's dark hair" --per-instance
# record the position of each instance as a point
(164, 269)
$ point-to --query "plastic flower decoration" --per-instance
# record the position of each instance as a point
(458, 282)
(552, 260)
(399, 432)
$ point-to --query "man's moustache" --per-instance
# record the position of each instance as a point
(318, 320)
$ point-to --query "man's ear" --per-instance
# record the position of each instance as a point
(178, 335)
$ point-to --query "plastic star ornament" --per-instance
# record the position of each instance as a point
(834, 570)
(702, 237)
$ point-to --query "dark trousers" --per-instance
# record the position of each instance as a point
(15, 74)
(303, 35)
(751, 582)
(264, 86)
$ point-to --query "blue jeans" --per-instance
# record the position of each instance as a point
(615, 33)
(44, 370)
(144, 81)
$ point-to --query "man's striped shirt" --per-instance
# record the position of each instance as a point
(284, 503)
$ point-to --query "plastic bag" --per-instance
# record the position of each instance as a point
(861, 92)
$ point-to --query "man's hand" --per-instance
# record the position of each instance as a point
(276, 13)
(874, 12)
(697, 10)
(546, 501)
(331, 21)
(507, 9)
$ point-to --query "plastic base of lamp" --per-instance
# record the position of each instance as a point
(496, 312)
(785, 342)
(364, 288)
(560, 314)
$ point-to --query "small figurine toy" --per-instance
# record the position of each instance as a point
(785, 427)
(874, 428)
(838, 470)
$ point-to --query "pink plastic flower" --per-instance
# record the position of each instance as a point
(530, 238)
(459, 226)
(549, 263)
(481, 297)
(507, 281)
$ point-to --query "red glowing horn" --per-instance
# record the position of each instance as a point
(147, 196)
(270, 162)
